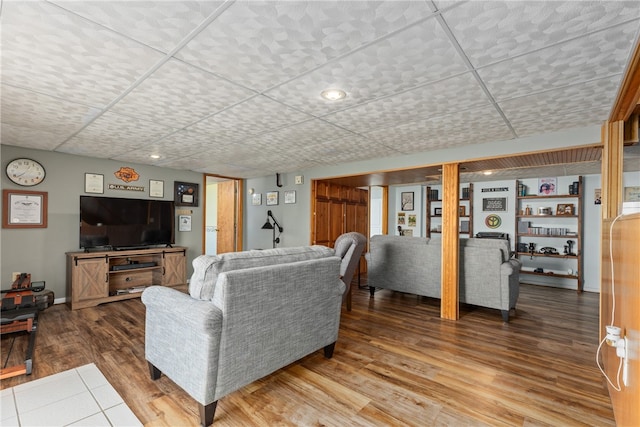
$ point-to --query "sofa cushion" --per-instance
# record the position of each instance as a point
(207, 267)
(501, 244)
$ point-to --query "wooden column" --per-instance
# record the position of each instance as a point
(450, 241)
(612, 139)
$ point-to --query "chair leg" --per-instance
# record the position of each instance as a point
(207, 412)
(328, 350)
(155, 372)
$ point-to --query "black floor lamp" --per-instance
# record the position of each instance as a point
(269, 226)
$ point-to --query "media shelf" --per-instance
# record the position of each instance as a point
(98, 277)
(434, 221)
(552, 230)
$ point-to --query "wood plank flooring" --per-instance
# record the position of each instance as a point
(396, 363)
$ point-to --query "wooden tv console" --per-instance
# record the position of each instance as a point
(97, 277)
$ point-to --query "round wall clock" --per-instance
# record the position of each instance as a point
(25, 172)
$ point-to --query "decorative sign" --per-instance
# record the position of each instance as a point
(125, 187)
(494, 189)
(127, 174)
(493, 221)
(494, 204)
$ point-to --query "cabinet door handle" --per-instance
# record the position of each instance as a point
(106, 277)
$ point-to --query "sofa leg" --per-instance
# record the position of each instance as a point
(372, 290)
(207, 412)
(328, 350)
(349, 299)
(155, 372)
(505, 316)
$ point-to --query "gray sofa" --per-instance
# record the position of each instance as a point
(488, 276)
(247, 315)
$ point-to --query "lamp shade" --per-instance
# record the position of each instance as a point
(267, 225)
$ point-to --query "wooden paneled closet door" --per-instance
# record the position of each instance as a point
(338, 209)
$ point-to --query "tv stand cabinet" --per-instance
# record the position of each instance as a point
(97, 277)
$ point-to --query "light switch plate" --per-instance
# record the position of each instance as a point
(299, 179)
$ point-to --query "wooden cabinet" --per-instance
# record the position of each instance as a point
(549, 234)
(434, 211)
(97, 277)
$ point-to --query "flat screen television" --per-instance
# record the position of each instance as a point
(120, 223)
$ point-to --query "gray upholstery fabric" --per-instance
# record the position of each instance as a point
(349, 247)
(259, 320)
(207, 267)
(488, 277)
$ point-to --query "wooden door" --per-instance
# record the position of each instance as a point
(227, 215)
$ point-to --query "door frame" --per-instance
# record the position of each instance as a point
(239, 203)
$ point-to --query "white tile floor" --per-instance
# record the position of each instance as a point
(78, 397)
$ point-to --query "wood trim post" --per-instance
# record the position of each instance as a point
(385, 210)
(612, 151)
(450, 241)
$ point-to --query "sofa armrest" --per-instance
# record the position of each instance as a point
(177, 307)
(182, 340)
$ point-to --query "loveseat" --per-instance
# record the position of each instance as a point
(488, 276)
(247, 315)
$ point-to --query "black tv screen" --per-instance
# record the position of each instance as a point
(119, 223)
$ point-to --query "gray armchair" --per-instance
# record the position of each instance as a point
(349, 247)
(248, 314)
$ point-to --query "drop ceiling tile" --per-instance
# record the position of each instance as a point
(350, 149)
(418, 55)
(159, 24)
(491, 31)
(99, 149)
(53, 51)
(599, 55)
(442, 98)
(27, 109)
(178, 94)
(29, 137)
(119, 130)
(585, 104)
(300, 135)
(470, 127)
(262, 44)
(184, 143)
(251, 117)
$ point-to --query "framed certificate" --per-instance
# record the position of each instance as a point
(156, 188)
(93, 183)
(24, 209)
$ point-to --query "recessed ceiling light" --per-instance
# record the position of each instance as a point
(487, 172)
(333, 94)
(155, 156)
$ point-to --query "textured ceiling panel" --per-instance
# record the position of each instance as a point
(179, 94)
(392, 65)
(159, 24)
(445, 97)
(265, 115)
(52, 51)
(491, 31)
(261, 44)
(240, 93)
(567, 63)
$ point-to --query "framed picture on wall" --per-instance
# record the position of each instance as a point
(256, 199)
(406, 201)
(186, 194)
(272, 198)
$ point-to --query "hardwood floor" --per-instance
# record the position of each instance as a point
(396, 363)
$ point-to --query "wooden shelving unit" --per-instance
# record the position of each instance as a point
(550, 236)
(432, 204)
